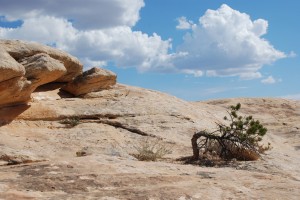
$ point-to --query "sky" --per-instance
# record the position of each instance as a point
(192, 49)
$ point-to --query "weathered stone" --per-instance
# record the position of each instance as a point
(25, 65)
(15, 91)
(41, 68)
(9, 67)
(21, 49)
(93, 80)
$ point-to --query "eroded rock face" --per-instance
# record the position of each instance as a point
(93, 80)
(24, 66)
(21, 49)
(41, 68)
(15, 91)
(9, 67)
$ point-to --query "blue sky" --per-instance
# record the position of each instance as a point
(193, 49)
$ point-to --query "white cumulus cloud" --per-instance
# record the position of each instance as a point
(96, 31)
(227, 42)
(85, 14)
(184, 24)
(270, 80)
(126, 48)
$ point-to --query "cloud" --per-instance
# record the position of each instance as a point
(98, 32)
(184, 24)
(87, 14)
(292, 54)
(227, 42)
(217, 90)
(270, 80)
(245, 75)
(198, 73)
(126, 48)
(292, 96)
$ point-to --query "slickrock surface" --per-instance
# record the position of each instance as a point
(113, 122)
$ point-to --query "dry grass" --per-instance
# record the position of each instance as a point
(151, 150)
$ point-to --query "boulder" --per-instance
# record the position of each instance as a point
(93, 80)
(15, 91)
(21, 49)
(41, 68)
(12, 82)
(9, 67)
(24, 66)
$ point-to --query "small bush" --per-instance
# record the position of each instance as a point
(70, 122)
(151, 150)
(240, 139)
(83, 152)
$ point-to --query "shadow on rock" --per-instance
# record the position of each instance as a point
(8, 114)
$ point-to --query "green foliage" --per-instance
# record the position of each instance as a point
(239, 138)
(151, 150)
(244, 129)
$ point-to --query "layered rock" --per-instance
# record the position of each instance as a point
(9, 67)
(41, 68)
(21, 49)
(93, 80)
(24, 66)
(12, 82)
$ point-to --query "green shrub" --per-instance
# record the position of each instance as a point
(240, 139)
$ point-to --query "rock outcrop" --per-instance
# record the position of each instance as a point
(41, 69)
(24, 66)
(21, 49)
(9, 67)
(93, 80)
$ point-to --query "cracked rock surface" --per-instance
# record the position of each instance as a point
(108, 125)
